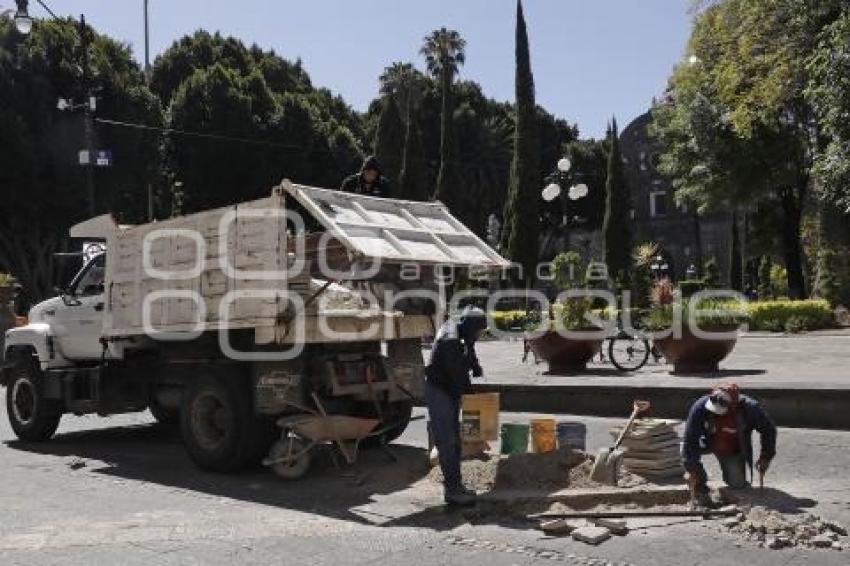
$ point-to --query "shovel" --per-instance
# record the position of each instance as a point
(607, 464)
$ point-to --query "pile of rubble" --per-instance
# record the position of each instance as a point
(552, 471)
(771, 529)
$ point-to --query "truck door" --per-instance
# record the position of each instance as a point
(81, 317)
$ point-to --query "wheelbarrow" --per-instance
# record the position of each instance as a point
(290, 457)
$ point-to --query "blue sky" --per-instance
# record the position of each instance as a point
(591, 58)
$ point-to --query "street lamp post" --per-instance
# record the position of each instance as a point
(88, 110)
(23, 23)
(148, 82)
(562, 175)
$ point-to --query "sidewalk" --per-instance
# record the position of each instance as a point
(804, 380)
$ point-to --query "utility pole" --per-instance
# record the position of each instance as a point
(148, 82)
(88, 109)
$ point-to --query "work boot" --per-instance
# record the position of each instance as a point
(703, 500)
(461, 497)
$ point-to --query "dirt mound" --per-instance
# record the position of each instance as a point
(552, 471)
(772, 529)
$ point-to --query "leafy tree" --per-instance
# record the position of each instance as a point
(521, 227)
(616, 222)
(829, 93)
(765, 287)
(740, 126)
(389, 142)
(42, 185)
(445, 51)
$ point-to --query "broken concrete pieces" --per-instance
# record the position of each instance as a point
(836, 528)
(617, 527)
(777, 543)
(591, 535)
(821, 541)
(558, 527)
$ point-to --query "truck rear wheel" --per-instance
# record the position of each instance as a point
(33, 418)
(219, 429)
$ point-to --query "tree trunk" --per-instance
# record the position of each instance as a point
(442, 192)
(736, 268)
(792, 246)
(698, 244)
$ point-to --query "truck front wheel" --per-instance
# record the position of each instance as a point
(33, 418)
(219, 429)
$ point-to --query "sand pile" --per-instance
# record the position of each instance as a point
(771, 529)
(552, 471)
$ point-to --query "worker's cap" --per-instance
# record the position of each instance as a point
(719, 402)
(722, 398)
(472, 320)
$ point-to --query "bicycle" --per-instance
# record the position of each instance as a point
(629, 350)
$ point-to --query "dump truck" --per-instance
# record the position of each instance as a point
(230, 321)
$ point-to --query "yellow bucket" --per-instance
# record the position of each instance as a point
(480, 417)
(543, 437)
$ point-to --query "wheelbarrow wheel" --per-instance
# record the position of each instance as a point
(293, 468)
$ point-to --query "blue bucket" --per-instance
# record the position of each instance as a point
(572, 435)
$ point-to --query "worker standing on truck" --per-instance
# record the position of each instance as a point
(453, 358)
(722, 423)
(368, 181)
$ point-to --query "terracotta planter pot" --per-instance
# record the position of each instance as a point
(692, 354)
(562, 354)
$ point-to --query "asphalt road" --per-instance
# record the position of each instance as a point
(121, 491)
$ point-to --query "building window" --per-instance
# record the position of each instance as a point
(655, 161)
(658, 204)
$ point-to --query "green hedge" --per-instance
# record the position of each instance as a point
(509, 320)
(790, 316)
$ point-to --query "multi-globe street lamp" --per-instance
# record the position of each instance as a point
(564, 175)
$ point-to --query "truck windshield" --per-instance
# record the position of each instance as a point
(90, 280)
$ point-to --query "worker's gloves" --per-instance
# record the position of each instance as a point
(763, 464)
(477, 371)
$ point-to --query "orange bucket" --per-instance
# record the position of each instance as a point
(543, 437)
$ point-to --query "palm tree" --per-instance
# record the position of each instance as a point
(404, 82)
(444, 52)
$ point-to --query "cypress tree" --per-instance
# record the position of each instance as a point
(616, 223)
(521, 227)
(389, 142)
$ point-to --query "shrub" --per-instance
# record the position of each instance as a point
(568, 270)
(779, 281)
(7, 280)
(510, 320)
(711, 312)
(691, 286)
(790, 316)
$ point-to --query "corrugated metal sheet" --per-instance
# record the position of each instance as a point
(394, 230)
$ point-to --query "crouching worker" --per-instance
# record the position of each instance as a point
(722, 423)
(447, 380)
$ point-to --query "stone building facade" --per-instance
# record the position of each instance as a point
(658, 219)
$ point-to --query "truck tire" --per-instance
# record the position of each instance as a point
(218, 426)
(33, 418)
